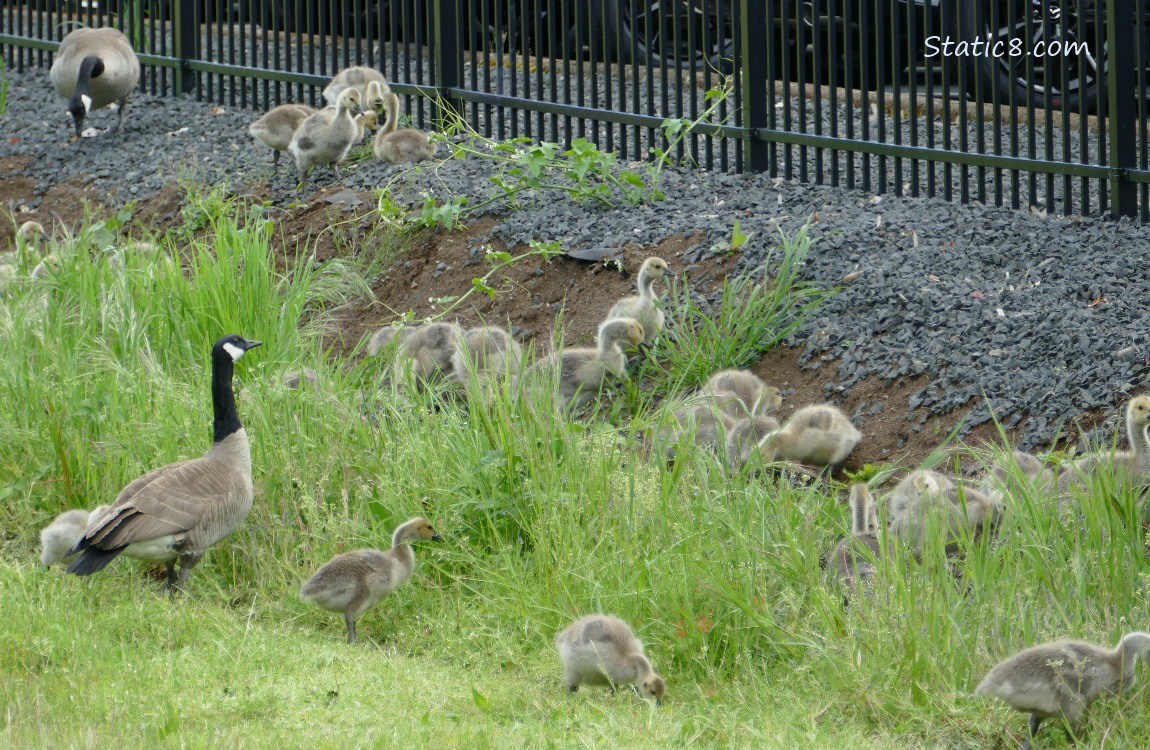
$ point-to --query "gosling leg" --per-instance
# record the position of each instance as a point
(1035, 721)
(350, 620)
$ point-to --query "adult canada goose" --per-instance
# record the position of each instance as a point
(397, 145)
(428, 349)
(94, 68)
(741, 393)
(583, 371)
(1059, 680)
(854, 567)
(178, 511)
(602, 650)
(59, 537)
(354, 582)
(820, 435)
(357, 77)
(744, 437)
(707, 425)
(277, 127)
(643, 307)
(326, 136)
(486, 352)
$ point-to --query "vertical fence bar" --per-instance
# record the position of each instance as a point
(753, 28)
(185, 45)
(448, 57)
(1123, 121)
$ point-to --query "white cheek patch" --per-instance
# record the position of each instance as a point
(234, 351)
(87, 102)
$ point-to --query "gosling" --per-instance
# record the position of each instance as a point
(709, 426)
(1059, 680)
(744, 438)
(602, 650)
(427, 350)
(583, 371)
(396, 145)
(325, 137)
(644, 306)
(854, 567)
(59, 537)
(487, 352)
(741, 393)
(293, 379)
(278, 125)
(358, 77)
(819, 435)
(952, 508)
(385, 339)
(354, 582)
(1136, 461)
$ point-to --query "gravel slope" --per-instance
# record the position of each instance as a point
(1045, 316)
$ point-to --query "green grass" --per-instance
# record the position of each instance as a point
(106, 377)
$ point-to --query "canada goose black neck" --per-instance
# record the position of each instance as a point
(224, 355)
(90, 67)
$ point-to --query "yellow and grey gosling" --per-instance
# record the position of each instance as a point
(397, 145)
(1059, 680)
(709, 427)
(744, 437)
(1009, 475)
(293, 379)
(584, 371)
(325, 137)
(644, 307)
(386, 339)
(94, 68)
(741, 393)
(427, 350)
(31, 233)
(854, 568)
(602, 650)
(59, 537)
(358, 77)
(952, 508)
(276, 128)
(354, 582)
(487, 352)
(178, 511)
(820, 435)
(1134, 462)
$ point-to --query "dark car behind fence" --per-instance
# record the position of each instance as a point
(1013, 102)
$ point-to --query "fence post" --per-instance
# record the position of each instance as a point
(1122, 123)
(448, 56)
(753, 91)
(185, 44)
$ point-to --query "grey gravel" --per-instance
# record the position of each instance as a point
(1044, 316)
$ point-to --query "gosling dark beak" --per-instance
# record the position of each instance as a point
(248, 344)
(436, 538)
(658, 702)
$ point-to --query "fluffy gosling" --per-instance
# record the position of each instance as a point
(358, 77)
(602, 650)
(952, 508)
(820, 435)
(709, 427)
(278, 125)
(354, 582)
(854, 567)
(58, 537)
(487, 352)
(741, 393)
(584, 371)
(644, 306)
(744, 437)
(325, 137)
(1059, 680)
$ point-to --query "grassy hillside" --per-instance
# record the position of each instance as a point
(106, 377)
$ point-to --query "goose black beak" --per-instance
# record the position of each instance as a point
(436, 538)
(658, 702)
(249, 344)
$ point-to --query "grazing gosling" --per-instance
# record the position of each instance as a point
(276, 128)
(385, 338)
(31, 232)
(428, 349)
(820, 435)
(602, 650)
(1059, 680)
(584, 371)
(358, 77)
(325, 137)
(94, 68)
(744, 437)
(1003, 474)
(953, 507)
(643, 307)
(397, 145)
(293, 379)
(487, 352)
(59, 537)
(741, 393)
(709, 426)
(854, 568)
(354, 582)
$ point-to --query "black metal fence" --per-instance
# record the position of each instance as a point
(1010, 102)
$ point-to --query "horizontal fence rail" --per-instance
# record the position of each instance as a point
(1006, 102)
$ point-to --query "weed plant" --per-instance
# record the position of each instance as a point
(545, 519)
